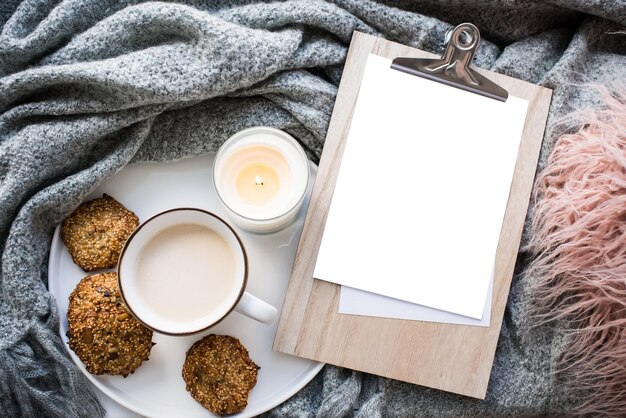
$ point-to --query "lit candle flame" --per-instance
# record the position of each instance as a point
(258, 181)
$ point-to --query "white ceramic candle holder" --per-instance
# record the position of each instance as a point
(261, 176)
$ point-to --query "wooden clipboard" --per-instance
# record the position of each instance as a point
(454, 358)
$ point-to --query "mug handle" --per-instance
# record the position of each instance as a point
(253, 307)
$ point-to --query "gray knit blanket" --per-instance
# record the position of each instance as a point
(88, 86)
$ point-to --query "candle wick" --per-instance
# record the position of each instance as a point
(258, 181)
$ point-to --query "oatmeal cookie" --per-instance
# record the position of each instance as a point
(220, 374)
(102, 333)
(96, 232)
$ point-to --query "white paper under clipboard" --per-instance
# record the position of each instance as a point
(423, 184)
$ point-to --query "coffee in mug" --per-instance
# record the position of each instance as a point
(184, 270)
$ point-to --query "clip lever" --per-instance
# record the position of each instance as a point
(453, 68)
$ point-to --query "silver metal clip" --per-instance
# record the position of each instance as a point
(453, 68)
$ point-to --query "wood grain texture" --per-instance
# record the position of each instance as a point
(454, 358)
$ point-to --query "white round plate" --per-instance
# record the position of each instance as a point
(157, 388)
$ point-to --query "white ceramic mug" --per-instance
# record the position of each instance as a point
(235, 298)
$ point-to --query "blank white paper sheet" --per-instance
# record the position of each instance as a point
(421, 191)
(360, 302)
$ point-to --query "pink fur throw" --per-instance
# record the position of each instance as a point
(579, 243)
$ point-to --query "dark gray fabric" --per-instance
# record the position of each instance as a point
(88, 86)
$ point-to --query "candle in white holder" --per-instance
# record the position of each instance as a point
(261, 175)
